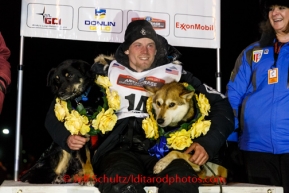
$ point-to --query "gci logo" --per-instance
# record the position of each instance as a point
(53, 21)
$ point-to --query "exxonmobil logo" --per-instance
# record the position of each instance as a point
(196, 26)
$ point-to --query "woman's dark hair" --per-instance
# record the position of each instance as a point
(265, 26)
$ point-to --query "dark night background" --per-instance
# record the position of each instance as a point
(239, 28)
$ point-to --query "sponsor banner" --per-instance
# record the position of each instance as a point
(102, 20)
(46, 19)
(158, 20)
(189, 23)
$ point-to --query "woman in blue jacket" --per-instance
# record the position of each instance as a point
(258, 91)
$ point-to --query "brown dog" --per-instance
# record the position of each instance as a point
(172, 104)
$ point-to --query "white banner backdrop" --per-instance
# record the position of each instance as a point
(188, 23)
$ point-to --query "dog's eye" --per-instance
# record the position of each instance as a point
(172, 104)
(158, 103)
(68, 75)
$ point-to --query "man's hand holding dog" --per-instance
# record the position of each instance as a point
(75, 142)
(200, 156)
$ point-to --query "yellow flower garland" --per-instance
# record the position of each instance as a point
(149, 124)
(182, 137)
(101, 121)
(105, 118)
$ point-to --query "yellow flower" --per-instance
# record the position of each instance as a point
(179, 140)
(113, 99)
(96, 121)
(84, 129)
(75, 123)
(149, 124)
(149, 105)
(200, 127)
(60, 109)
(105, 121)
(203, 104)
(150, 128)
(103, 81)
(108, 121)
(185, 84)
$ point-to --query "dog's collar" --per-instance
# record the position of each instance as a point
(83, 97)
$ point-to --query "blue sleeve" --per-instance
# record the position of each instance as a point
(238, 85)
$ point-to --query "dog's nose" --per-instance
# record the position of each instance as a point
(160, 121)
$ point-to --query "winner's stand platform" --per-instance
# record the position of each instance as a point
(21, 187)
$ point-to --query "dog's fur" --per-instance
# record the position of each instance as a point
(67, 81)
(104, 59)
(173, 105)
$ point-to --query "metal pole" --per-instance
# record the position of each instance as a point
(218, 73)
(19, 105)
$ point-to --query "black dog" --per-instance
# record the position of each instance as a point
(70, 80)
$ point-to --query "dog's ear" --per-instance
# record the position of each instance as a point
(82, 66)
(49, 76)
(151, 90)
(188, 95)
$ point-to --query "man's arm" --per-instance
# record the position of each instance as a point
(60, 134)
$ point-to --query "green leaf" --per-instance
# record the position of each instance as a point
(161, 131)
(69, 106)
(93, 116)
(93, 131)
(104, 98)
(186, 126)
(190, 88)
(167, 135)
(80, 108)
